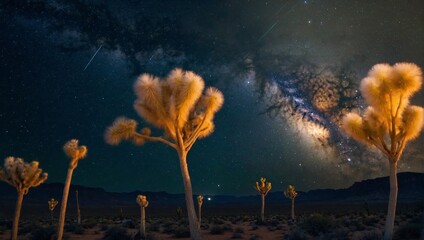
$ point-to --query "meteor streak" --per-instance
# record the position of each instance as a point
(86, 66)
(268, 31)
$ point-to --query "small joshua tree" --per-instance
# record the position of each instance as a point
(78, 208)
(177, 106)
(22, 176)
(52, 205)
(291, 193)
(263, 188)
(75, 153)
(390, 121)
(142, 201)
(199, 203)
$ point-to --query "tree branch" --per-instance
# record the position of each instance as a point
(157, 139)
(384, 145)
(195, 134)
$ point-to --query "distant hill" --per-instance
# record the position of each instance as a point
(411, 188)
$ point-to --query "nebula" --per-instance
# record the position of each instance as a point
(311, 100)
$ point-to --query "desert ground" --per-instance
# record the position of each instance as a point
(313, 221)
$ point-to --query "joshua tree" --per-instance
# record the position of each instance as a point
(263, 188)
(75, 153)
(177, 106)
(390, 121)
(291, 193)
(52, 204)
(22, 176)
(142, 201)
(199, 203)
(78, 208)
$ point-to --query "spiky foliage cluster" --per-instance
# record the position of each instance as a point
(22, 175)
(52, 204)
(142, 201)
(74, 152)
(200, 200)
(264, 187)
(290, 192)
(389, 121)
(175, 104)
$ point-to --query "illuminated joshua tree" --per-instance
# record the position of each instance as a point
(291, 193)
(52, 204)
(390, 121)
(263, 188)
(75, 153)
(177, 106)
(199, 203)
(142, 201)
(22, 176)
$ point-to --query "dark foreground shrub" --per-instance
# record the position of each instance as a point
(46, 233)
(128, 223)
(368, 235)
(237, 236)
(116, 233)
(317, 223)
(181, 231)
(216, 230)
(147, 237)
(297, 234)
(409, 231)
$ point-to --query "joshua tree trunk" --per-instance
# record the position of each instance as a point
(64, 203)
(192, 218)
(143, 223)
(391, 211)
(17, 215)
(78, 209)
(200, 215)
(51, 215)
(263, 208)
(292, 210)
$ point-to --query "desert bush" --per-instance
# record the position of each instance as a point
(236, 236)
(367, 235)
(204, 226)
(78, 230)
(154, 226)
(6, 223)
(338, 233)
(253, 227)
(227, 227)
(297, 234)
(181, 231)
(255, 237)
(239, 230)
(148, 236)
(128, 223)
(371, 220)
(216, 230)
(2, 229)
(104, 227)
(43, 233)
(116, 233)
(410, 230)
(168, 228)
(89, 223)
(217, 221)
(317, 224)
(272, 228)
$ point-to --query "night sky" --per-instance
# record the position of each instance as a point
(275, 62)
